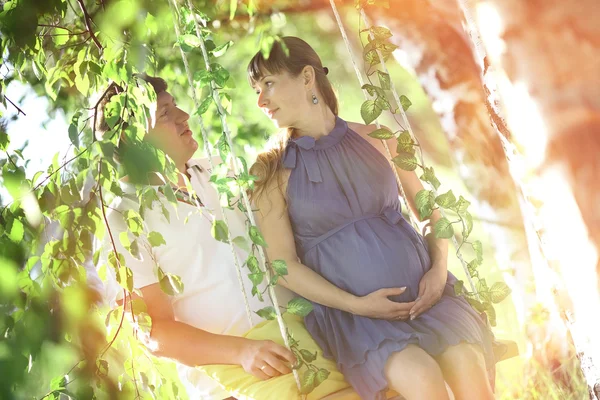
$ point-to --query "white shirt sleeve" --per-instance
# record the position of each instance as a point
(143, 267)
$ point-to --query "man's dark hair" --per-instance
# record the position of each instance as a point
(133, 157)
(158, 84)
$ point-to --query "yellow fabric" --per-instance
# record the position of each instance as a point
(244, 386)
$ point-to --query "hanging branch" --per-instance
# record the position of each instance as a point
(480, 297)
(210, 161)
(19, 111)
(413, 137)
(88, 23)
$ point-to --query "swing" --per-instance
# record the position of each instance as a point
(502, 349)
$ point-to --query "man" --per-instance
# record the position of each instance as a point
(202, 325)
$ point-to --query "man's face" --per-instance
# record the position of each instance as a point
(170, 131)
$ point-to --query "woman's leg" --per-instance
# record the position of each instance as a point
(463, 367)
(415, 375)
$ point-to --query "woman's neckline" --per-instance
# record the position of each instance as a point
(331, 139)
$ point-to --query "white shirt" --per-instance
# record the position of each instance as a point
(212, 299)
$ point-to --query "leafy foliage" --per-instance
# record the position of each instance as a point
(69, 52)
(378, 49)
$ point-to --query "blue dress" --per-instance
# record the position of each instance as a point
(344, 209)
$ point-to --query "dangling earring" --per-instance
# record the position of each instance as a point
(315, 100)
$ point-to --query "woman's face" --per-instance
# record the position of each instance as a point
(283, 98)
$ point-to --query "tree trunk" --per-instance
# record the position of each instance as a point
(547, 52)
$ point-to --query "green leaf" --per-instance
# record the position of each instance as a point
(446, 200)
(16, 231)
(220, 74)
(381, 33)
(220, 50)
(382, 103)
(144, 322)
(156, 239)
(405, 102)
(4, 140)
(189, 40)
(82, 82)
(459, 287)
(151, 23)
(134, 222)
(406, 161)
(499, 291)
(472, 267)
(461, 205)
(219, 230)
(308, 356)
(299, 306)
(134, 249)
(169, 283)
(125, 278)
(307, 383)
(232, 8)
(60, 36)
(369, 111)
(223, 147)
(476, 304)
(491, 313)
(443, 229)
(321, 376)
(9, 278)
(73, 131)
(124, 239)
(429, 176)
(252, 264)
(384, 80)
(425, 203)
(469, 224)
(204, 105)
(256, 237)
(256, 278)
(241, 243)
(102, 367)
(478, 248)
(267, 313)
(369, 88)
(405, 143)
(204, 77)
(381, 133)
(280, 267)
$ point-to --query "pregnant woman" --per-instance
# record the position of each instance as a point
(328, 204)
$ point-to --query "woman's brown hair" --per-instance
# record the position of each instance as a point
(300, 54)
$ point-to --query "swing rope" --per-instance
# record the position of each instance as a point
(408, 128)
(413, 221)
(235, 167)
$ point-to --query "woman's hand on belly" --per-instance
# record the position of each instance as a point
(431, 289)
(378, 305)
(266, 359)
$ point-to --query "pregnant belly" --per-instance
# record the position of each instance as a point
(372, 255)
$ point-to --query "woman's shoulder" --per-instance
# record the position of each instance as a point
(361, 129)
(364, 131)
